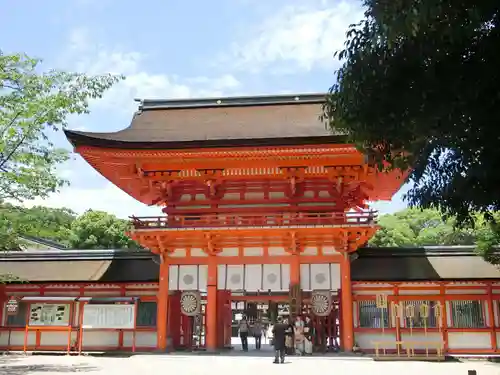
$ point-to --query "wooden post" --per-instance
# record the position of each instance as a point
(211, 308)
(347, 323)
(162, 307)
(295, 291)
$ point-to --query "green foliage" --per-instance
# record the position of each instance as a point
(92, 230)
(488, 238)
(419, 88)
(100, 230)
(46, 223)
(32, 105)
(9, 236)
(415, 227)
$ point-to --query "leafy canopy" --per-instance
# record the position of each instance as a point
(92, 230)
(414, 227)
(32, 105)
(100, 230)
(419, 87)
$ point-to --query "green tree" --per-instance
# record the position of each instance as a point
(33, 104)
(43, 222)
(418, 88)
(415, 227)
(488, 238)
(9, 236)
(100, 230)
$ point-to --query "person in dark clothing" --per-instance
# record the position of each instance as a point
(280, 331)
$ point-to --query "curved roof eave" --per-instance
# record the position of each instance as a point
(105, 140)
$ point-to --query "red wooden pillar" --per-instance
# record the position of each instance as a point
(174, 321)
(3, 300)
(162, 307)
(347, 339)
(225, 316)
(211, 308)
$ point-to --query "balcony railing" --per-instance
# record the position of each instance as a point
(254, 220)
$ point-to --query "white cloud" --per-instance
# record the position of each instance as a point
(110, 199)
(298, 37)
(86, 55)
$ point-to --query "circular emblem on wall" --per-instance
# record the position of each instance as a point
(235, 279)
(188, 279)
(272, 278)
(321, 303)
(190, 303)
(320, 278)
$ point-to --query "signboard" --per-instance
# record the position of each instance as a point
(49, 314)
(12, 306)
(109, 316)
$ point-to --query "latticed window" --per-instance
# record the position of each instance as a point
(371, 316)
(146, 314)
(467, 314)
(420, 314)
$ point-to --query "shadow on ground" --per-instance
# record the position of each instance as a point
(9, 365)
(28, 369)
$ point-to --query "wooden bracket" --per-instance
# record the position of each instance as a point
(347, 173)
(295, 176)
(213, 187)
(211, 248)
(294, 248)
(162, 247)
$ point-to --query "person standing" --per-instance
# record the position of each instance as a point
(281, 330)
(243, 330)
(299, 336)
(308, 336)
(257, 333)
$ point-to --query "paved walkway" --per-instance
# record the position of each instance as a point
(226, 365)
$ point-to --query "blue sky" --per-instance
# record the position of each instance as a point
(175, 49)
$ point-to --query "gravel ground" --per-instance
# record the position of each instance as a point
(220, 364)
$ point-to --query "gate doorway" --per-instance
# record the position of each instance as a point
(269, 308)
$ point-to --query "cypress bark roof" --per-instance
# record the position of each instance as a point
(243, 121)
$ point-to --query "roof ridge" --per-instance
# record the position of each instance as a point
(233, 101)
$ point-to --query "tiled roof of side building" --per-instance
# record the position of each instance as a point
(372, 264)
(219, 122)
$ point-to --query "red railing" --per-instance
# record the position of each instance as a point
(254, 219)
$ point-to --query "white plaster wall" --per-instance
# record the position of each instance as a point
(134, 293)
(142, 339)
(366, 340)
(188, 277)
(99, 339)
(253, 277)
(465, 291)
(17, 338)
(419, 339)
(105, 293)
(427, 293)
(469, 340)
(56, 338)
(69, 293)
(320, 276)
